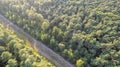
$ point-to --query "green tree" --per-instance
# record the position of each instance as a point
(45, 25)
(6, 56)
(2, 49)
(12, 63)
(80, 63)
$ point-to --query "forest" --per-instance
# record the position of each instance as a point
(85, 32)
(15, 52)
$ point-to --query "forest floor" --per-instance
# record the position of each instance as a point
(37, 45)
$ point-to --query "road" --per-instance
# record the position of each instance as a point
(37, 45)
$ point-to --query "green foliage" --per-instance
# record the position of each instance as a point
(5, 56)
(2, 49)
(16, 53)
(76, 29)
(12, 63)
(79, 63)
(45, 25)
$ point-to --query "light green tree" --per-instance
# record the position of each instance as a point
(12, 63)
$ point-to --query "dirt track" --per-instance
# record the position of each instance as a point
(39, 46)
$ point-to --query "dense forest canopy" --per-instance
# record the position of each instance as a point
(84, 32)
(14, 52)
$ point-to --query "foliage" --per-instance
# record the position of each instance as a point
(76, 29)
(15, 53)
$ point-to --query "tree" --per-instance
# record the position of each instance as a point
(57, 32)
(45, 38)
(6, 56)
(80, 63)
(61, 46)
(2, 49)
(52, 42)
(12, 63)
(45, 25)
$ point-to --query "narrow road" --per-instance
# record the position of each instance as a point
(39, 46)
